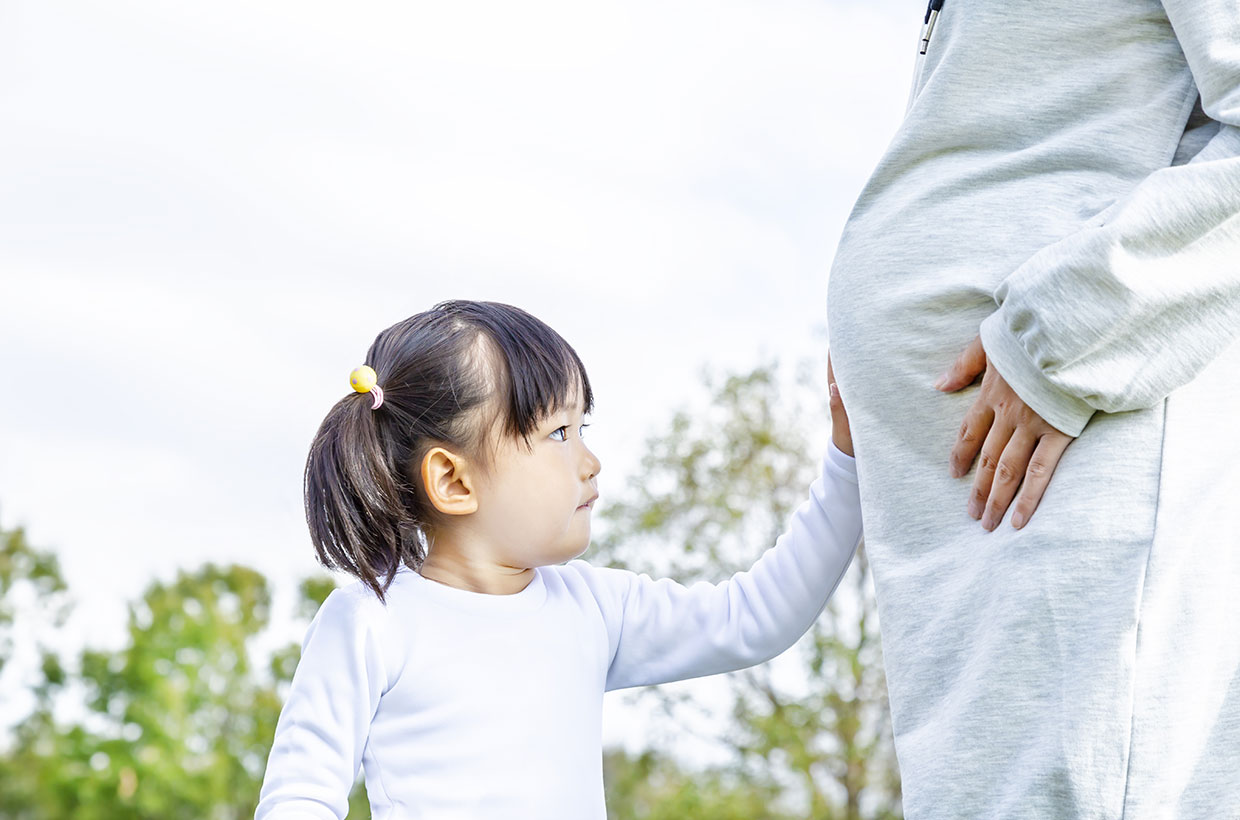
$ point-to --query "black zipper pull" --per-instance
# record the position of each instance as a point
(932, 16)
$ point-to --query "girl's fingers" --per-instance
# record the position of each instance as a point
(1038, 475)
(1008, 474)
(964, 371)
(840, 432)
(992, 449)
(969, 440)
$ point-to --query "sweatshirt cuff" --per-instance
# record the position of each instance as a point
(1063, 411)
(844, 463)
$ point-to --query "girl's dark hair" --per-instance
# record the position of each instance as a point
(447, 375)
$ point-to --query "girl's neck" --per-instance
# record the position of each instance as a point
(450, 567)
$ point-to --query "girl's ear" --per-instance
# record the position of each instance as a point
(448, 482)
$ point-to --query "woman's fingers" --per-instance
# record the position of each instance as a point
(1042, 465)
(996, 440)
(1007, 476)
(1019, 449)
(964, 371)
(969, 440)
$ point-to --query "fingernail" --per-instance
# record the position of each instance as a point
(835, 391)
(975, 510)
(942, 380)
(1018, 520)
(988, 523)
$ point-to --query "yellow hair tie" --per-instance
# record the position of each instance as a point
(364, 380)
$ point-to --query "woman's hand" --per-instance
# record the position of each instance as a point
(1019, 449)
(841, 434)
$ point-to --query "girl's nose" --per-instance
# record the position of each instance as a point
(592, 465)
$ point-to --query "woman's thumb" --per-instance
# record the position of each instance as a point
(967, 367)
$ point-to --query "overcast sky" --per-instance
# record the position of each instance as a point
(208, 210)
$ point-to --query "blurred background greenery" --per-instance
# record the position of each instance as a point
(178, 722)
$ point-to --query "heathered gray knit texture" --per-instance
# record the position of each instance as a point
(1067, 179)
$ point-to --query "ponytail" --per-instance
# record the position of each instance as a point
(360, 507)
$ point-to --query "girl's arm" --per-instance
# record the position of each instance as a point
(661, 631)
(323, 727)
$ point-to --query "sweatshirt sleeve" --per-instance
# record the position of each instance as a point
(662, 631)
(1119, 314)
(324, 724)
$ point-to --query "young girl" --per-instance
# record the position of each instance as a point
(465, 669)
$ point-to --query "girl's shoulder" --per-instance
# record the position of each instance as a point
(584, 571)
(606, 586)
(354, 601)
(355, 616)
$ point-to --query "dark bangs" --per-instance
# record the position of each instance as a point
(539, 372)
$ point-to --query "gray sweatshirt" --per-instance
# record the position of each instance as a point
(1067, 183)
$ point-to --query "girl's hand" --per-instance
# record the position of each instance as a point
(1019, 449)
(841, 434)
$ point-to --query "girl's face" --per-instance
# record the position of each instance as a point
(535, 503)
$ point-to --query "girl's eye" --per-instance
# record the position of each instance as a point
(560, 433)
(582, 431)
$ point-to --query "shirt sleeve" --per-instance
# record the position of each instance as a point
(324, 724)
(1119, 314)
(663, 631)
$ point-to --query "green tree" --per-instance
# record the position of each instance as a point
(176, 720)
(38, 571)
(178, 723)
(651, 786)
(715, 489)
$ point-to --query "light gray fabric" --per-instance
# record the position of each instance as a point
(1067, 179)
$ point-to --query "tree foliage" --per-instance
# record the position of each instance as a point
(714, 490)
(21, 564)
(176, 724)
(653, 786)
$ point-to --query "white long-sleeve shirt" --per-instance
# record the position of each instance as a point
(465, 705)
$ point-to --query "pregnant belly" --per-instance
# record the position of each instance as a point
(944, 584)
